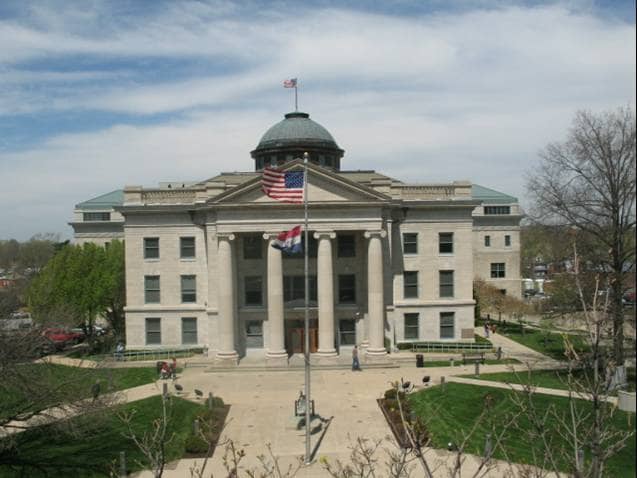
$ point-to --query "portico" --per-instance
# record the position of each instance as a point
(332, 301)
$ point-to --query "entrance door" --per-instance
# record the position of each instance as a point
(296, 338)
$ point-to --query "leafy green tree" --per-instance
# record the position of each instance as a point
(79, 284)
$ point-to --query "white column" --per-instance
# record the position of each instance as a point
(375, 299)
(227, 309)
(276, 344)
(325, 282)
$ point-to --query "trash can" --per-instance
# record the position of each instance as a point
(420, 360)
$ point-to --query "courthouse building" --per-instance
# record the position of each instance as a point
(390, 261)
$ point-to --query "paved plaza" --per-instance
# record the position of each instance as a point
(262, 406)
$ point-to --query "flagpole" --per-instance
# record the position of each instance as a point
(308, 401)
(296, 99)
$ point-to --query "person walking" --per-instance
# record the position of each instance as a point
(356, 365)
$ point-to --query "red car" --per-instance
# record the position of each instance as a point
(62, 337)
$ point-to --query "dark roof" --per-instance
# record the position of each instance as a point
(295, 128)
(490, 196)
(105, 201)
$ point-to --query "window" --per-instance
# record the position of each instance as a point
(151, 248)
(347, 332)
(346, 245)
(447, 325)
(411, 326)
(497, 209)
(446, 283)
(445, 243)
(347, 288)
(410, 284)
(487, 241)
(294, 288)
(252, 247)
(153, 331)
(497, 270)
(96, 216)
(253, 290)
(254, 334)
(189, 330)
(187, 247)
(410, 243)
(188, 289)
(151, 289)
(507, 241)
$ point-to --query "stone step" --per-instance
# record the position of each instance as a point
(291, 368)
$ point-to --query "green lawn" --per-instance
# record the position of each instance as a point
(66, 383)
(547, 343)
(548, 378)
(96, 449)
(452, 412)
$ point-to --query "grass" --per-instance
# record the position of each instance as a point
(72, 383)
(456, 409)
(96, 450)
(547, 343)
(549, 378)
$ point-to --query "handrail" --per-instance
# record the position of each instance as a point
(156, 354)
(450, 347)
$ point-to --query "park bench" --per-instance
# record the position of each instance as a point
(472, 357)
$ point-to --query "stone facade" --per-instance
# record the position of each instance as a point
(390, 262)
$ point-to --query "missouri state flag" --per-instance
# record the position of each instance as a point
(283, 186)
(289, 241)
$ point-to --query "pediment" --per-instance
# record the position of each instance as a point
(323, 187)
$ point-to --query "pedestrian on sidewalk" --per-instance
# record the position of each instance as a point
(173, 369)
(486, 329)
(356, 365)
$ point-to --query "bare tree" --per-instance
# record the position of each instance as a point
(588, 182)
(152, 442)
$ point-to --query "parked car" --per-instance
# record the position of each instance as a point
(61, 337)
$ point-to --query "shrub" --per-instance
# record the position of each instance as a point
(391, 394)
(195, 444)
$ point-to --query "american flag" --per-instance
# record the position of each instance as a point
(291, 83)
(283, 186)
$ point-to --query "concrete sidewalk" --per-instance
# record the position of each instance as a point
(65, 412)
(513, 349)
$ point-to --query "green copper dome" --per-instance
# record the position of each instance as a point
(293, 136)
(294, 128)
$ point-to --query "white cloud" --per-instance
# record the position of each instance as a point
(448, 96)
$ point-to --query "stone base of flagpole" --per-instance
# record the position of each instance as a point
(276, 359)
(227, 359)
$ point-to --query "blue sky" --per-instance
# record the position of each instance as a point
(95, 95)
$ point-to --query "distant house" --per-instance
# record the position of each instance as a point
(6, 282)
